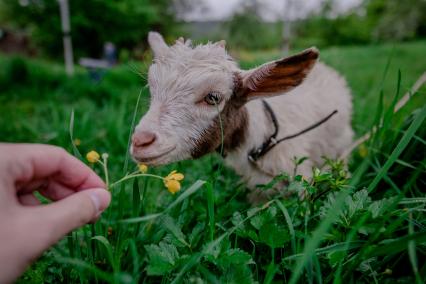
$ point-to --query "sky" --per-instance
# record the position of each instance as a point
(273, 9)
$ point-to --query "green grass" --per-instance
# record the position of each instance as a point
(363, 227)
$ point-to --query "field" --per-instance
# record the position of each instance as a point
(365, 226)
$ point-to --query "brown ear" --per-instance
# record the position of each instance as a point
(279, 76)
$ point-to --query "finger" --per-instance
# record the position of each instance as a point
(48, 188)
(53, 191)
(59, 218)
(56, 191)
(27, 162)
(28, 199)
(33, 185)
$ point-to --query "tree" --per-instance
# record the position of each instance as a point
(94, 22)
(246, 29)
(397, 20)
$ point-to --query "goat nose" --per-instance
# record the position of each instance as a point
(143, 138)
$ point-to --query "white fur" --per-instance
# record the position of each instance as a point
(322, 92)
(182, 75)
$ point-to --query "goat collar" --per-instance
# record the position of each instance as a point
(272, 141)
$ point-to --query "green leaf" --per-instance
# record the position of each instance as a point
(359, 201)
(238, 274)
(196, 235)
(296, 186)
(257, 221)
(379, 207)
(162, 258)
(186, 266)
(234, 257)
(335, 257)
(237, 221)
(273, 235)
(174, 229)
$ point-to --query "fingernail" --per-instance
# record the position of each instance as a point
(100, 198)
(94, 196)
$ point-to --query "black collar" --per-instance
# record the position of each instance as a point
(272, 141)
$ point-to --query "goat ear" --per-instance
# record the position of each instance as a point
(279, 76)
(157, 43)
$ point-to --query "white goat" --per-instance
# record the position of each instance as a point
(190, 85)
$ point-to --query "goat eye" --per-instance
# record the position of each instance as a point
(213, 98)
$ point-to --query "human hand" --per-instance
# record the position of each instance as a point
(28, 228)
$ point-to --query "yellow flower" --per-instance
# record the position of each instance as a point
(77, 142)
(172, 185)
(143, 168)
(175, 175)
(92, 157)
(172, 181)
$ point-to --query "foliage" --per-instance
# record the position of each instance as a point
(247, 30)
(397, 20)
(363, 227)
(373, 21)
(125, 23)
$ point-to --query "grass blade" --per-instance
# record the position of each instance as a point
(75, 150)
(289, 224)
(135, 112)
(109, 251)
(194, 188)
(82, 265)
(141, 219)
(210, 209)
(318, 235)
(418, 120)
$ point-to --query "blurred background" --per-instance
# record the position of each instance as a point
(104, 43)
(33, 27)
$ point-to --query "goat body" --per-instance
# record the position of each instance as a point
(197, 90)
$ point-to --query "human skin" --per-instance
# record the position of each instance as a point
(27, 227)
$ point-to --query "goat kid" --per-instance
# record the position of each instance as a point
(197, 89)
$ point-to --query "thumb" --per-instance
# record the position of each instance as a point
(61, 217)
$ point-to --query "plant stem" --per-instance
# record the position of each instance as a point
(134, 176)
(105, 165)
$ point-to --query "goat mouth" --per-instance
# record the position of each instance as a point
(153, 158)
